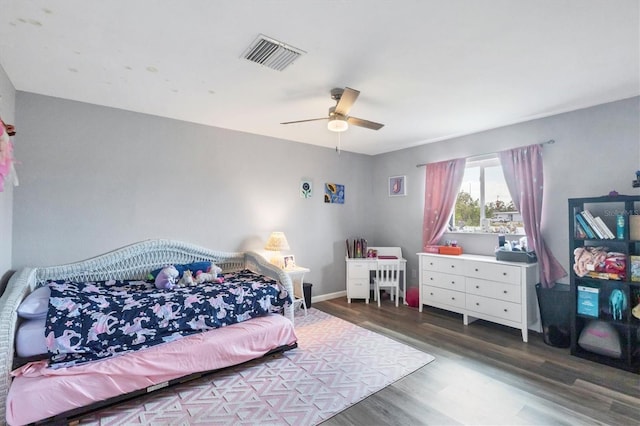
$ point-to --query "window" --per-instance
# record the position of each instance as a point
(484, 204)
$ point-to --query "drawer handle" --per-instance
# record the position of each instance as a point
(506, 310)
(477, 304)
(453, 266)
(476, 269)
(477, 286)
(453, 298)
(453, 282)
(504, 273)
(431, 278)
(431, 294)
(505, 292)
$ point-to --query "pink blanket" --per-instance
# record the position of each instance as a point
(38, 392)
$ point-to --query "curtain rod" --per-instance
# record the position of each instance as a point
(549, 142)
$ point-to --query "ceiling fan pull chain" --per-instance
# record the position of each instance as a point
(338, 147)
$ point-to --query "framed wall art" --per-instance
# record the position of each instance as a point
(333, 193)
(306, 189)
(397, 186)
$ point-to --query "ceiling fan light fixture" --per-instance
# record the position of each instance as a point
(337, 124)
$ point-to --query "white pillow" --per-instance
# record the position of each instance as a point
(30, 339)
(36, 304)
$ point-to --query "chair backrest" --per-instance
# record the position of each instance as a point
(388, 272)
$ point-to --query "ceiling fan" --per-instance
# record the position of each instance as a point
(338, 117)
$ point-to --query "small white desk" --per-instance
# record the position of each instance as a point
(296, 274)
(359, 273)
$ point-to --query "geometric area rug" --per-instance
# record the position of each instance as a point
(335, 365)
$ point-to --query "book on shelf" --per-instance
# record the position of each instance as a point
(602, 227)
(585, 226)
(588, 301)
(580, 231)
(598, 225)
(359, 248)
(588, 217)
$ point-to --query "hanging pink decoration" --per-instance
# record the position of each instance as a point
(6, 151)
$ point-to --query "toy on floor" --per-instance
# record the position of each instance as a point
(413, 297)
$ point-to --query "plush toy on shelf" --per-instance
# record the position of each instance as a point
(587, 258)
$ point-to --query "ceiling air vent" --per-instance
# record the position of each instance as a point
(271, 53)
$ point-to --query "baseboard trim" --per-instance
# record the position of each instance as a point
(323, 297)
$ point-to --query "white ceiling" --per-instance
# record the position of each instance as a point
(429, 70)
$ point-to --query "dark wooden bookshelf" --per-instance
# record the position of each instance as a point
(627, 328)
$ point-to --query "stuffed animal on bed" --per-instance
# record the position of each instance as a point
(167, 278)
(187, 274)
(211, 276)
(187, 279)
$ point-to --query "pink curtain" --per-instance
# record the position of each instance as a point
(522, 168)
(443, 182)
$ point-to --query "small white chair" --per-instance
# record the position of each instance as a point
(387, 277)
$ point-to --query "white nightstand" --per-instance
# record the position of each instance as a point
(297, 276)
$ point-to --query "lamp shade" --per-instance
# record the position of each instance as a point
(337, 124)
(277, 241)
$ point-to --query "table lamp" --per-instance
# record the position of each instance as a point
(277, 241)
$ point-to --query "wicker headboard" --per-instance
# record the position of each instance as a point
(132, 262)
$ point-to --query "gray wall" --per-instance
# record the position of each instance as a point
(96, 178)
(597, 150)
(7, 112)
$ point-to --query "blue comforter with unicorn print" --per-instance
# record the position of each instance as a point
(94, 320)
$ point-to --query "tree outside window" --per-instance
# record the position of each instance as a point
(484, 204)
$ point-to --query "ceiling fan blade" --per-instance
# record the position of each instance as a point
(364, 123)
(304, 121)
(346, 101)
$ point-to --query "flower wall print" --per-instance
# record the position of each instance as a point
(333, 193)
(306, 189)
(397, 186)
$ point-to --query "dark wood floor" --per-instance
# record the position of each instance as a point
(484, 375)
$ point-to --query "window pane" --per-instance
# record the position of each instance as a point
(500, 214)
(499, 209)
(467, 211)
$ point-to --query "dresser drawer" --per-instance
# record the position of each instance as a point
(358, 289)
(449, 265)
(358, 270)
(448, 281)
(493, 289)
(441, 296)
(430, 263)
(493, 307)
(493, 272)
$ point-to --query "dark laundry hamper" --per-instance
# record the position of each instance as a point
(555, 314)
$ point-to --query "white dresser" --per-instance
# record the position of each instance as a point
(481, 287)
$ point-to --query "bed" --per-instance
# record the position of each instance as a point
(42, 389)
